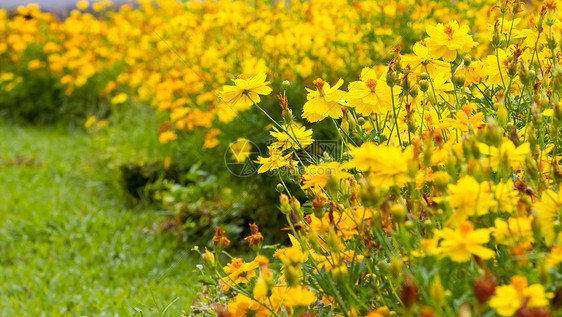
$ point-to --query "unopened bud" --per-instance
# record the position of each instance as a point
(286, 84)
(458, 80)
(209, 258)
(398, 212)
(279, 188)
(361, 121)
(424, 85)
(409, 293)
(437, 292)
(395, 267)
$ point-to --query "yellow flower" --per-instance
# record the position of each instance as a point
(275, 160)
(421, 59)
(387, 165)
(211, 138)
(509, 298)
(318, 175)
(468, 198)
(35, 64)
(370, 94)
(82, 5)
(167, 136)
(554, 258)
(119, 98)
(240, 149)
(460, 245)
(323, 102)
(245, 91)
(299, 296)
(549, 209)
(245, 306)
(507, 154)
(298, 133)
(515, 231)
(445, 40)
(90, 121)
(239, 272)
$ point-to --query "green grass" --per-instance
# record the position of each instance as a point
(69, 244)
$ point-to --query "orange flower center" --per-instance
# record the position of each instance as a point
(449, 31)
(465, 228)
(242, 76)
(371, 84)
(519, 283)
(319, 83)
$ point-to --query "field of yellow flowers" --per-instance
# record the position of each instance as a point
(414, 146)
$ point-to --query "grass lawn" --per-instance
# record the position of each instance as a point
(69, 245)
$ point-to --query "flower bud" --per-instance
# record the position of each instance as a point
(467, 60)
(279, 188)
(409, 293)
(295, 205)
(361, 121)
(484, 287)
(286, 84)
(398, 212)
(333, 240)
(502, 115)
(458, 80)
(496, 35)
(424, 85)
(437, 292)
(391, 77)
(291, 274)
(414, 91)
(341, 274)
(209, 258)
(284, 200)
(395, 268)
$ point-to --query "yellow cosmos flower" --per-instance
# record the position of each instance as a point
(514, 231)
(554, 258)
(245, 91)
(468, 198)
(445, 40)
(245, 306)
(460, 245)
(549, 209)
(82, 5)
(318, 175)
(211, 139)
(299, 296)
(507, 154)
(509, 298)
(370, 94)
(275, 160)
(298, 133)
(386, 165)
(119, 98)
(240, 149)
(167, 136)
(421, 61)
(323, 102)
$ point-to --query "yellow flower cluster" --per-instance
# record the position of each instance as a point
(176, 57)
(443, 196)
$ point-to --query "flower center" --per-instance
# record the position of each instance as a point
(371, 84)
(449, 31)
(242, 76)
(319, 84)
